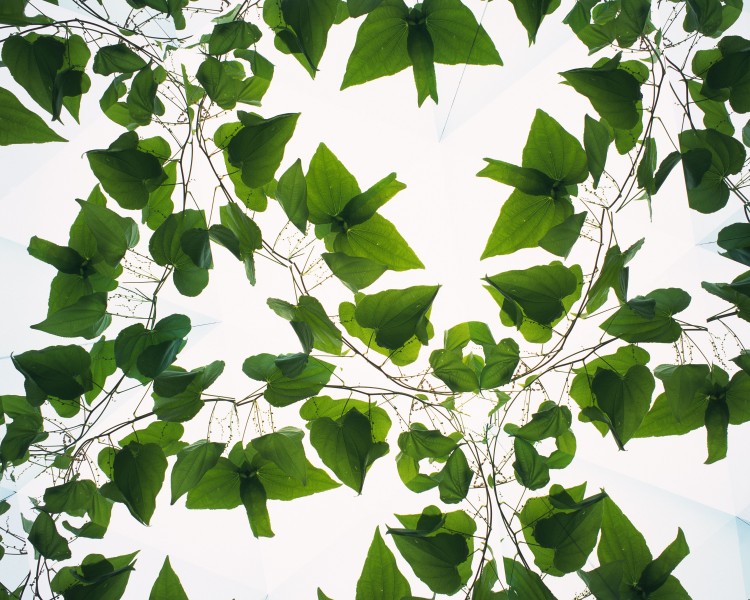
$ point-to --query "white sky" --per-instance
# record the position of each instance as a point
(446, 214)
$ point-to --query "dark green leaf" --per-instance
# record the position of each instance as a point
(538, 291)
(127, 173)
(613, 92)
(87, 317)
(46, 540)
(613, 275)
(291, 192)
(118, 58)
(254, 499)
(283, 390)
(324, 406)
(60, 371)
(596, 141)
(530, 467)
(421, 53)
(531, 13)
(397, 315)
(455, 478)
(257, 149)
(232, 35)
(625, 400)
(138, 474)
(632, 326)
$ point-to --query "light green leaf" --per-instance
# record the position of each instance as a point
(167, 585)
(380, 578)
(192, 464)
(18, 125)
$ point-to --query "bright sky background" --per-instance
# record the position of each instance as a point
(446, 214)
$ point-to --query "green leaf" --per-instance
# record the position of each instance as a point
(528, 181)
(555, 152)
(596, 141)
(192, 464)
(656, 573)
(326, 336)
(434, 559)
(324, 406)
(167, 585)
(550, 421)
(457, 36)
(363, 207)
(455, 478)
(140, 352)
(254, 499)
(420, 443)
(87, 317)
(708, 156)
(60, 371)
(633, 326)
(378, 240)
(531, 14)
(34, 62)
(219, 488)
(346, 446)
(165, 435)
(625, 400)
(63, 258)
(113, 234)
(257, 148)
(613, 275)
(621, 542)
(46, 540)
(571, 535)
(397, 315)
(310, 21)
(731, 74)
(284, 449)
(524, 584)
(613, 92)
(330, 186)
(127, 173)
(18, 125)
(449, 367)
(138, 474)
(97, 577)
(380, 48)
(717, 423)
(421, 53)
(530, 467)
(354, 272)
(561, 238)
(177, 395)
(405, 355)
(380, 578)
(282, 390)
(537, 291)
(523, 221)
(232, 35)
(280, 486)
(118, 58)
(291, 192)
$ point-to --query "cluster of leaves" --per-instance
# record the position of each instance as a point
(549, 207)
